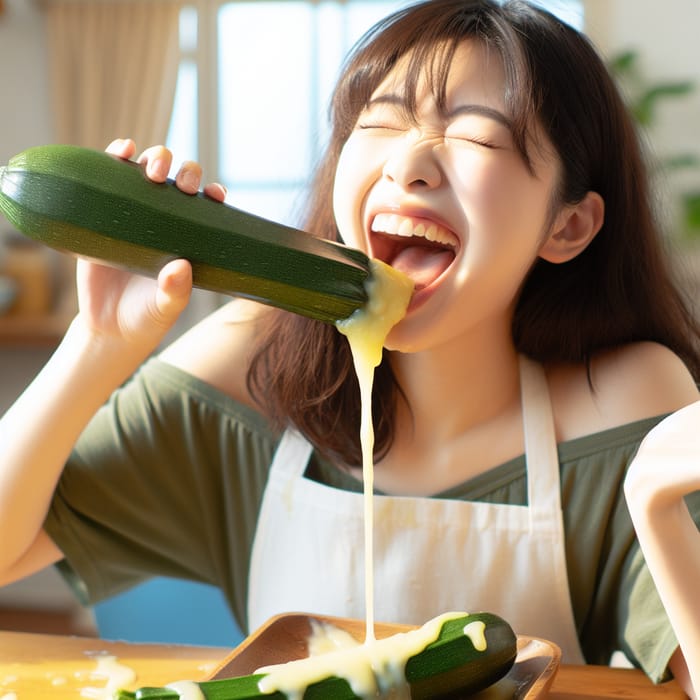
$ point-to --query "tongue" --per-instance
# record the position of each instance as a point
(423, 265)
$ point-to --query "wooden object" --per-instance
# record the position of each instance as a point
(29, 663)
(40, 666)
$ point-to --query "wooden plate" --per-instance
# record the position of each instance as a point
(284, 638)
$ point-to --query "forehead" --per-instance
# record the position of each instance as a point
(472, 74)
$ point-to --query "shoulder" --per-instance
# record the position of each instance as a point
(217, 350)
(624, 385)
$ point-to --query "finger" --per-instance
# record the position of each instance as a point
(174, 289)
(157, 161)
(124, 148)
(189, 177)
(216, 191)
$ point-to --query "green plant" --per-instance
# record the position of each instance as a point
(643, 98)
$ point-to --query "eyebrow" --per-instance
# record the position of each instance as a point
(388, 98)
(481, 110)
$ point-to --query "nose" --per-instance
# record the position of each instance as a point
(412, 163)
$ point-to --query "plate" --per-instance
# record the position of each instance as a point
(284, 638)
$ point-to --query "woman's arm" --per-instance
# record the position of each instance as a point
(121, 320)
(666, 468)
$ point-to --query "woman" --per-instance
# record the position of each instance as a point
(484, 151)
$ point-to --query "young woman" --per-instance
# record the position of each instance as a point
(483, 150)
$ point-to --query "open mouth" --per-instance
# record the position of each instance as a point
(419, 248)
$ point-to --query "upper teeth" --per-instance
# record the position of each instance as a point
(397, 225)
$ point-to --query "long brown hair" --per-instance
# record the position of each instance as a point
(617, 291)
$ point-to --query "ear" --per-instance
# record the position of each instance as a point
(574, 228)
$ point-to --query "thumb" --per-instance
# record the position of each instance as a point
(174, 289)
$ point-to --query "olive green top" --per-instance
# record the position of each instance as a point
(168, 479)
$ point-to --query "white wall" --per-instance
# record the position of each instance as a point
(25, 118)
(666, 36)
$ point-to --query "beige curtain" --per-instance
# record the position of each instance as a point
(113, 67)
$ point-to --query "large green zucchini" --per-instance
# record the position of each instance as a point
(450, 667)
(97, 206)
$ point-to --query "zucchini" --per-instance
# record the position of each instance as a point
(451, 666)
(98, 206)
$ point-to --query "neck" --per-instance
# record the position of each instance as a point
(456, 387)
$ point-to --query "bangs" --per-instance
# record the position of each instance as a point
(426, 41)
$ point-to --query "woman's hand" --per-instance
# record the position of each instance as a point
(118, 305)
(666, 469)
(122, 319)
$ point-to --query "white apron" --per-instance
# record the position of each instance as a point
(431, 555)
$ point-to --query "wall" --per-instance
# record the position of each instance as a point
(25, 117)
(665, 35)
(25, 120)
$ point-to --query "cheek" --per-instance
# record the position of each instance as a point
(502, 196)
(359, 167)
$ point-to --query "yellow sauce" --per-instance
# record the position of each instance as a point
(117, 676)
(374, 669)
(475, 632)
(326, 638)
(389, 293)
(187, 690)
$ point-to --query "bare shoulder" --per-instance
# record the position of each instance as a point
(217, 350)
(627, 384)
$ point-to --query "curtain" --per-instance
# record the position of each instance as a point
(113, 68)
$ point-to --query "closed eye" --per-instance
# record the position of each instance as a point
(472, 139)
(385, 112)
(371, 125)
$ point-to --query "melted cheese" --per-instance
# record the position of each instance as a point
(326, 638)
(476, 633)
(372, 669)
(389, 293)
(376, 667)
(187, 690)
(116, 675)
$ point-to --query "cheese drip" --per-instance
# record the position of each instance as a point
(115, 673)
(374, 669)
(389, 293)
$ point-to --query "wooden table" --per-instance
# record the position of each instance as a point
(39, 666)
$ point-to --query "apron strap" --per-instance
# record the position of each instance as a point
(292, 454)
(294, 451)
(541, 455)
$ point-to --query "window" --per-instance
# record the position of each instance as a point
(254, 84)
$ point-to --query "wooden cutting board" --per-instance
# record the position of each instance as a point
(40, 666)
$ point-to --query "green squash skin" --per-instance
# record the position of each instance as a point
(97, 206)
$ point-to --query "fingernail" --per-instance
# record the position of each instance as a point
(189, 181)
(155, 167)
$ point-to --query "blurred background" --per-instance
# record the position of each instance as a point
(243, 87)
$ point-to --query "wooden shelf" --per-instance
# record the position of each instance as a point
(43, 331)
